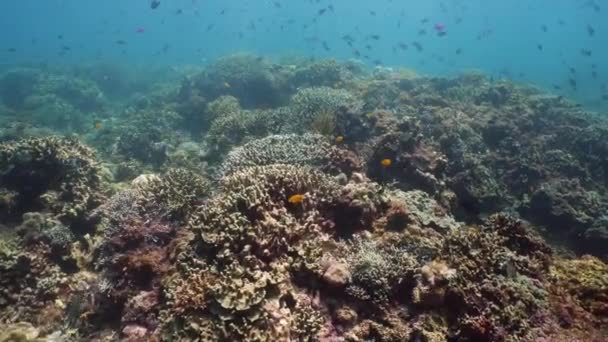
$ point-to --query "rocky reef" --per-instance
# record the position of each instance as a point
(253, 200)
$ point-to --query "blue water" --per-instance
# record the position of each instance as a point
(500, 38)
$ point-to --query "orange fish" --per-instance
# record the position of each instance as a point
(386, 162)
(296, 199)
(339, 139)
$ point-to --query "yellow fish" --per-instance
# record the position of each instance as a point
(339, 139)
(296, 199)
(386, 162)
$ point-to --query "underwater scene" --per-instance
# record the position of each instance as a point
(303, 170)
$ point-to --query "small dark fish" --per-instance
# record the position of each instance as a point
(277, 4)
(590, 31)
(561, 22)
(325, 46)
(331, 7)
(59, 36)
(418, 46)
(377, 62)
(403, 46)
(572, 83)
(586, 52)
(348, 38)
(210, 27)
(422, 32)
(544, 28)
(357, 53)
(222, 12)
(369, 47)
(605, 97)
(178, 11)
(572, 70)
(121, 42)
(372, 13)
(458, 51)
(539, 47)
(375, 37)
(594, 74)
(11, 50)
(154, 4)
(424, 21)
(321, 11)
(66, 48)
(441, 33)
(557, 87)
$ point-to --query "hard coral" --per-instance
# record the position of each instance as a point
(173, 195)
(56, 174)
(298, 150)
(309, 105)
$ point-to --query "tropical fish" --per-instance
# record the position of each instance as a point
(296, 199)
(386, 162)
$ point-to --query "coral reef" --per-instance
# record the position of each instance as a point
(304, 200)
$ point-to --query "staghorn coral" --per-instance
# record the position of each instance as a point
(299, 150)
(51, 173)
